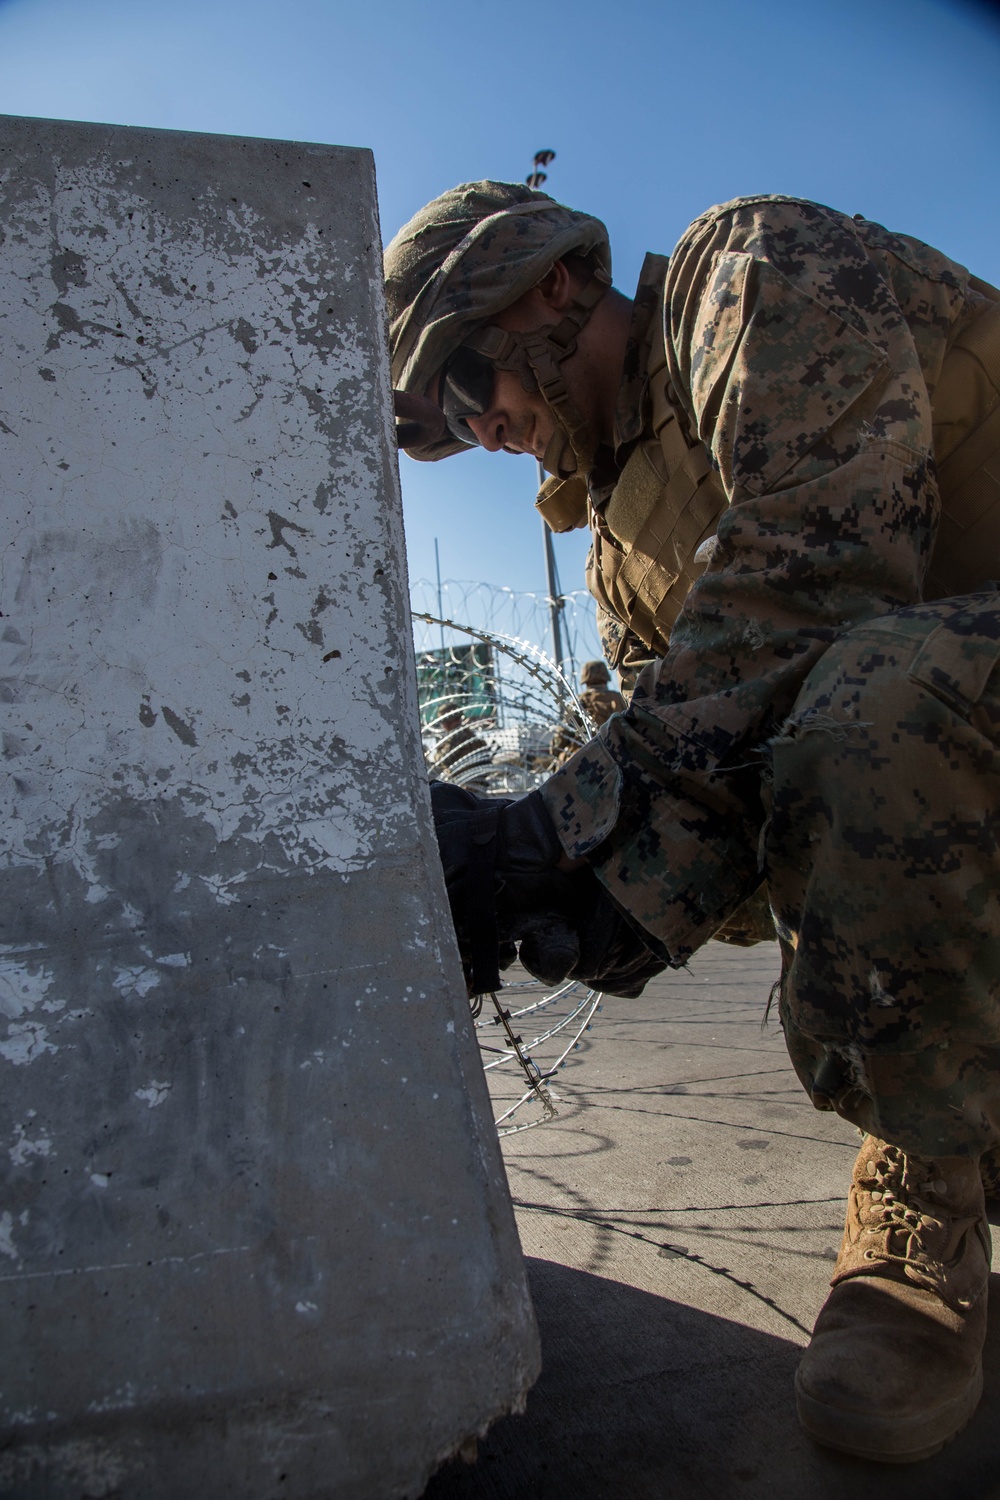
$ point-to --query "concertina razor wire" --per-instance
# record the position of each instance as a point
(497, 716)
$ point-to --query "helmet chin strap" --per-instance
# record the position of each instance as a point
(536, 357)
(561, 458)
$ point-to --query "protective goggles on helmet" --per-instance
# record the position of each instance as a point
(467, 382)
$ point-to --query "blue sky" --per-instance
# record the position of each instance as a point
(890, 108)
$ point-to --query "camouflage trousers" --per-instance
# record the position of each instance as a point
(883, 868)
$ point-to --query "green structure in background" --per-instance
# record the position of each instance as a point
(457, 677)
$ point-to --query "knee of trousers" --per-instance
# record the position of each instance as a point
(900, 717)
(883, 863)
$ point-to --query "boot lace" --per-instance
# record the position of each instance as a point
(911, 1230)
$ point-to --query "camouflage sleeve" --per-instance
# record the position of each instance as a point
(801, 375)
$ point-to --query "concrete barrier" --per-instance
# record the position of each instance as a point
(255, 1235)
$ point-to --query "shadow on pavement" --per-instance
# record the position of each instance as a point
(641, 1398)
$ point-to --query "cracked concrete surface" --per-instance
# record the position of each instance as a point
(254, 1230)
(681, 1218)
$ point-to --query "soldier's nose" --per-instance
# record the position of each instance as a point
(490, 430)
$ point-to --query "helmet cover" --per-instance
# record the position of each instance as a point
(462, 259)
(595, 671)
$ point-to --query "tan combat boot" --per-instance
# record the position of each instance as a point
(894, 1368)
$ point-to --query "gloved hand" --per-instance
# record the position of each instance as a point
(500, 860)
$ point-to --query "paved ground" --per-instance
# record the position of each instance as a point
(680, 1219)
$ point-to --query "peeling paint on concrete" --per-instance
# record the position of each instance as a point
(7, 1235)
(154, 1093)
(136, 980)
(150, 308)
(229, 1240)
(23, 986)
(24, 1147)
(25, 1043)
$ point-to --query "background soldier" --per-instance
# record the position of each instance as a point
(598, 701)
(787, 449)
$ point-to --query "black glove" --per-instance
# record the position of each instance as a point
(500, 861)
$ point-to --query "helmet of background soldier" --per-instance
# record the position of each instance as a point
(594, 673)
(463, 259)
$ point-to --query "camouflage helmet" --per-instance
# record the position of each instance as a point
(462, 259)
(594, 672)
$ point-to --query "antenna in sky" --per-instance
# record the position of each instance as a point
(537, 177)
(555, 599)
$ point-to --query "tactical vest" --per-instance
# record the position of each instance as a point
(665, 506)
(649, 543)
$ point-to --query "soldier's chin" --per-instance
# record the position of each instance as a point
(559, 458)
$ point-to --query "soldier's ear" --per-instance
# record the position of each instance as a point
(545, 302)
(556, 287)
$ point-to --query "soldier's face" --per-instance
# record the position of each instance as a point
(516, 420)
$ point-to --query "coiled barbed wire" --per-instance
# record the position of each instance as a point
(565, 1013)
(497, 716)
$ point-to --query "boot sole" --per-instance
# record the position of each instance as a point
(887, 1442)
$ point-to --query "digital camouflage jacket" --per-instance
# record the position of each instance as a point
(803, 347)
